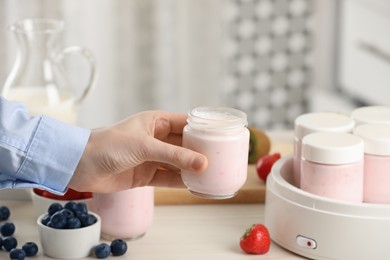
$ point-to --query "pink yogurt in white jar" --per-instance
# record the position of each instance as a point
(312, 123)
(125, 214)
(220, 134)
(332, 166)
(376, 139)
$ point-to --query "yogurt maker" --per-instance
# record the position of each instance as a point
(321, 228)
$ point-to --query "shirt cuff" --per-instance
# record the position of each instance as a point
(54, 154)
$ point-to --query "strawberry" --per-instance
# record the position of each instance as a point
(256, 240)
(265, 163)
(70, 194)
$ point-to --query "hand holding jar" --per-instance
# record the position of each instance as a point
(142, 150)
(220, 133)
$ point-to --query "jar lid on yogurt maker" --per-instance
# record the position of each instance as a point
(332, 148)
(376, 138)
(322, 122)
(371, 115)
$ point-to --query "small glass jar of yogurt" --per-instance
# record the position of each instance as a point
(376, 139)
(126, 214)
(221, 134)
(333, 166)
(312, 123)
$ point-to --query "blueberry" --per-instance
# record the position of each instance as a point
(71, 205)
(54, 207)
(67, 212)
(4, 213)
(78, 214)
(49, 224)
(91, 219)
(46, 219)
(83, 217)
(1, 242)
(17, 254)
(102, 250)
(86, 219)
(118, 247)
(81, 206)
(9, 243)
(58, 220)
(73, 223)
(30, 249)
(7, 229)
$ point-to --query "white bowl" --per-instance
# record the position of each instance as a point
(69, 243)
(41, 204)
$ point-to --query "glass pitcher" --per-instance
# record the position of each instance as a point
(38, 78)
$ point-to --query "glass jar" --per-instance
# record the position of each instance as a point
(376, 139)
(316, 122)
(221, 134)
(39, 78)
(332, 166)
(125, 214)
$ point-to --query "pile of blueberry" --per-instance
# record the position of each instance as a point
(76, 215)
(9, 243)
(70, 216)
(117, 247)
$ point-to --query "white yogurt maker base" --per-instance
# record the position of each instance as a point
(320, 228)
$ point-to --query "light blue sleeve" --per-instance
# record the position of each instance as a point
(37, 151)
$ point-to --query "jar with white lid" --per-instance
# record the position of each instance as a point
(332, 166)
(371, 115)
(221, 134)
(376, 139)
(316, 122)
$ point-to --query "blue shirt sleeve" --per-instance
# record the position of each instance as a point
(37, 151)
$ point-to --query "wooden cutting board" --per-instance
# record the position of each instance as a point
(253, 190)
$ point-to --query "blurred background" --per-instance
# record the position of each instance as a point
(273, 59)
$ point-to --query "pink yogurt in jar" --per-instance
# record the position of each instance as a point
(312, 123)
(220, 134)
(376, 139)
(125, 214)
(332, 166)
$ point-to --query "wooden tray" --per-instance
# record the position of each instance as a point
(253, 190)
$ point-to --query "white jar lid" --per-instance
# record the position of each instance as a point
(322, 122)
(376, 138)
(332, 148)
(371, 114)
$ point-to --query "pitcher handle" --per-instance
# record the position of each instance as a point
(87, 54)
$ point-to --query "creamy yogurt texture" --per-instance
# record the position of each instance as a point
(221, 135)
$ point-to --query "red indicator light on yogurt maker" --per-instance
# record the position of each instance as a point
(306, 242)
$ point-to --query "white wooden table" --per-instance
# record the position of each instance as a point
(179, 232)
